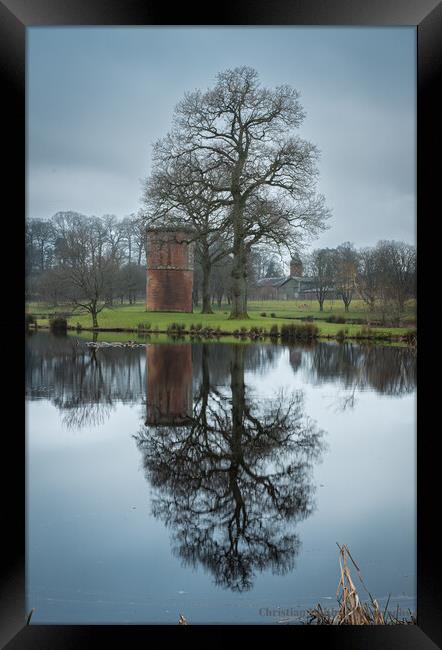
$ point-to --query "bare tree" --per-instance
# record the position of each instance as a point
(50, 286)
(221, 281)
(139, 231)
(87, 263)
(322, 270)
(114, 235)
(132, 239)
(237, 141)
(274, 268)
(397, 262)
(39, 236)
(130, 282)
(368, 276)
(346, 264)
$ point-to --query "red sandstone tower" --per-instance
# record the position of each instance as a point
(169, 270)
(169, 384)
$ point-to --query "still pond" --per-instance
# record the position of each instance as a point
(214, 479)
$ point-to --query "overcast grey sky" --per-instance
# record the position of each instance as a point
(99, 97)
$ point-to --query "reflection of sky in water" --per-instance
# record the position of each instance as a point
(96, 555)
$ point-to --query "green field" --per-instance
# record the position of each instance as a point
(131, 316)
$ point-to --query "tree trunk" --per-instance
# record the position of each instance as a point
(205, 382)
(207, 307)
(236, 451)
(94, 313)
(195, 295)
(238, 391)
(238, 309)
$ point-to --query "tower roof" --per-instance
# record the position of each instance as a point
(177, 228)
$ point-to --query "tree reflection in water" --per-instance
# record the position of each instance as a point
(233, 479)
(386, 369)
(86, 388)
(83, 383)
(231, 473)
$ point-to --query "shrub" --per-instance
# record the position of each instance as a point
(273, 315)
(274, 331)
(62, 314)
(263, 313)
(336, 319)
(410, 337)
(304, 332)
(143, 326)
(58, 324)
(365, 333)
(341, 334)
(176, 328)
(29, 320)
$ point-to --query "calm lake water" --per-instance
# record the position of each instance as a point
(215, 479)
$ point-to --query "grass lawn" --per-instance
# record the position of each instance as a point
(130, 316)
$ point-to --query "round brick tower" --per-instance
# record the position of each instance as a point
(169, 270)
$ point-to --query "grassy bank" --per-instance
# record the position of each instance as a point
(263, 316)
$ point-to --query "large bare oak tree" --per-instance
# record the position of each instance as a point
(237, 142)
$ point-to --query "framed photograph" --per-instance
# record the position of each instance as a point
(222, 425)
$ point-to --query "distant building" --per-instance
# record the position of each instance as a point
(293, 287)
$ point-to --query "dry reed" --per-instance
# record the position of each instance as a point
(351, 610)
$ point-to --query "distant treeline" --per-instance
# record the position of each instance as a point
(95, 262)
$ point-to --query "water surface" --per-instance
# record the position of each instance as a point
(215, 479)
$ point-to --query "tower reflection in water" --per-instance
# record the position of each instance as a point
(169, 384)
(231, 473)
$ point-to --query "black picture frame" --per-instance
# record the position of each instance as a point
(15, 17)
